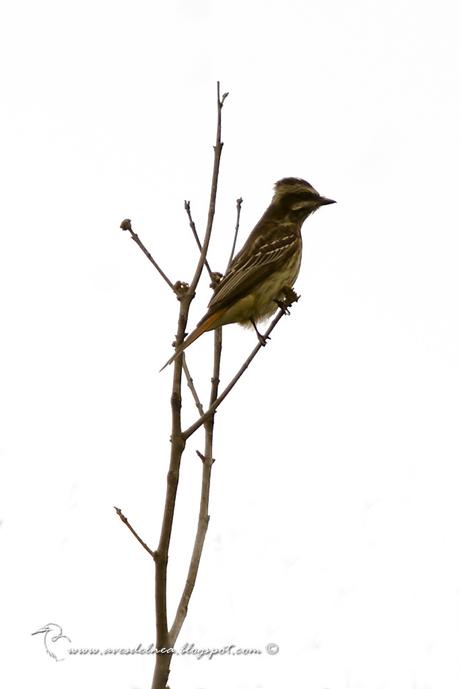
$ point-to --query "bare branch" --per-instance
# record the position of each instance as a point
(212, 408)
(203, 516)
(126, 227)
(191, 385)
(237, 227)
(195, 234)
(162, 664)
(203, 521)
(216, 368)
(135, 534)
(212, 200)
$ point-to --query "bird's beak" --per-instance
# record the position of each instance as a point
(322, 201)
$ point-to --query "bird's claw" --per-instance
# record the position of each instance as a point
(215, 279)
(288, 297)
(283, 306)
(263, 339)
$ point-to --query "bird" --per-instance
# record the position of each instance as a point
(266, 267)
(56, 630)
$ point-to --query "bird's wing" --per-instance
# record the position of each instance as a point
(256, 260)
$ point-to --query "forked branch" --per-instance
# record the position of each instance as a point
(166, 636)
(163, 640)
(213, 407)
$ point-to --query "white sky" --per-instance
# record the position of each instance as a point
(335, 515)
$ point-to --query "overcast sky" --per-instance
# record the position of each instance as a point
(335, 514)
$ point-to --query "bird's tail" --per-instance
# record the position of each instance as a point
(208, 323)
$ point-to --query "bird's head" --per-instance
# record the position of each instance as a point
(297, 198)
(51, 627)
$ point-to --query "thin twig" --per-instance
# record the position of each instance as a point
(203, 516)
(195, 234)
(191, 385)
(199, 422)
(212, 200)
(135, 534)
(126, 227)
(237, 227)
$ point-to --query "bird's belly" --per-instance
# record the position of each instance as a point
(260, 303)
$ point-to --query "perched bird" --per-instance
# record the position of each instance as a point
(267, 265)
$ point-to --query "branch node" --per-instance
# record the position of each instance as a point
(180, 289)
(160, 557)
(203, 458)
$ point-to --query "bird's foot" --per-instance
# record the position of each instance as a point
(215, 279)
(283, 306)
(287, 298)
(262, 338)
